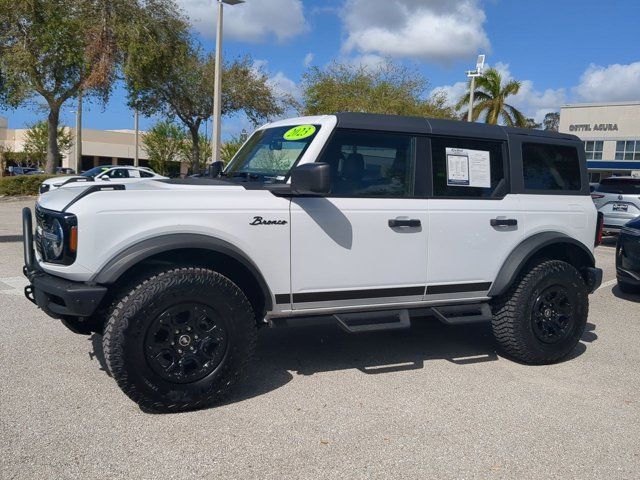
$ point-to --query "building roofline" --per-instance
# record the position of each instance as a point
(602, 104)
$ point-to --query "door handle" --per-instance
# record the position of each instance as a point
(503, 222)
(404, 222)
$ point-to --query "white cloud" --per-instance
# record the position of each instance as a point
(253, 21)
(308, 59)
(530, 101)
(437, 30)
(279, 82)
(609, 84)
(370, 62)
(283, 85)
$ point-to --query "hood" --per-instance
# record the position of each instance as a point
(59, 180)
(58, 199)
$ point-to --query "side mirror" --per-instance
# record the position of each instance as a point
(105, 177)
(215, 169)
(311, 179)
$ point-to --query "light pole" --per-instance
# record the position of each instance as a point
(472, 75)
(136, 159)
(78, 152)
(217, 86)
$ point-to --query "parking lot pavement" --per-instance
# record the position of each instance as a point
(437, 401)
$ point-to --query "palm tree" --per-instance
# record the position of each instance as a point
(490, 98)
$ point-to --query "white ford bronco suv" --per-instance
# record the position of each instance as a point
(364, 220)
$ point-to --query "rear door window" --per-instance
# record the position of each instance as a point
(468, 168)
(550, 167)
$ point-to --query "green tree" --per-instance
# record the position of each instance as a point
(531, 124)
(57, 48)
(164, 143)
(490, 98)
(37, 139)
(231, 146)
(181, 85)
(551, 121)
(389, 88)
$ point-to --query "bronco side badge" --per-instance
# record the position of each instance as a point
(261, 221)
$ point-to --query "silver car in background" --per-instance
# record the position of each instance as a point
(618, 198)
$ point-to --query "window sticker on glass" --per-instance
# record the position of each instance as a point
(299, 132)
(468, 168)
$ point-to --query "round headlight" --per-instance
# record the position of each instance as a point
(53, 240)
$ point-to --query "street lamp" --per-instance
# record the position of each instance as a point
(78, 152)
(217, 86)
(472, 75)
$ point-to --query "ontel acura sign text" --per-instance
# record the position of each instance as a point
(586, 127)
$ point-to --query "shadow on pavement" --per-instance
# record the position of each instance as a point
(285, 352)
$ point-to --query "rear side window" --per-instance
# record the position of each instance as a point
(467, 168)
(144, 174)
(550, 167)
(623, 186)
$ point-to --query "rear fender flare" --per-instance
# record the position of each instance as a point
(525, 250)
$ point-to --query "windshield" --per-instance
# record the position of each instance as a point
(270, 153)
(620, 186)
(94, 171)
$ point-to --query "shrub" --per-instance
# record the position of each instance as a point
(22, 184)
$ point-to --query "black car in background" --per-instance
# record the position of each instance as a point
(628, 257)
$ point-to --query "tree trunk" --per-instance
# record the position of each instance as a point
(52, 139)
(195, 149)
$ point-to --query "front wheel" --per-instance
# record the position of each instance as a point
(180, 339)
(543, 315)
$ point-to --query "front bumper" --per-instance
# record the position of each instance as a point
(628, 257)
(593, 278)
(56, 296)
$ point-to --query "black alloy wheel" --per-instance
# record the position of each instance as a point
(552, 314)
(186, 342)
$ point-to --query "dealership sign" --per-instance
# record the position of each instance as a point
(596, 127)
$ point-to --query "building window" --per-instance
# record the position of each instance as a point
(629, 150)
(593, 149)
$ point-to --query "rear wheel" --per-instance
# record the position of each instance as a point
(180, 339)
(542, 317)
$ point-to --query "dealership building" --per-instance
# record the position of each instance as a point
(99, 147)
(611, 135)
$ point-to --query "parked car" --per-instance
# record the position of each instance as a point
(107, 173)
(65, 171)
(618, 198)
(628, 257)
(593, 186)
(357, 219)
(22, 170)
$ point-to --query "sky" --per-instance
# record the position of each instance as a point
(563, 51)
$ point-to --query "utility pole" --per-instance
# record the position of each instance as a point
(472, 87)
(78, 152)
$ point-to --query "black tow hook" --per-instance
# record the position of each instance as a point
(28, 292)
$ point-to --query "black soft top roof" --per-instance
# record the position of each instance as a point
(437, 126)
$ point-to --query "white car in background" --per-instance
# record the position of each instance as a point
(108, 173)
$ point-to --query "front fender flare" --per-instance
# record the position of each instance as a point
(525, 250)
(140, 251)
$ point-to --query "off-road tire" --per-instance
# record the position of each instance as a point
(628, 288)
(129, 321)
(512, 323)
